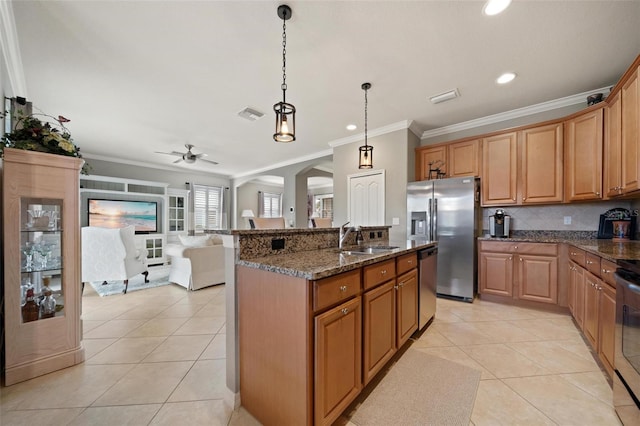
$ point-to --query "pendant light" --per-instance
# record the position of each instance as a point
(366, 151)
(285, 113)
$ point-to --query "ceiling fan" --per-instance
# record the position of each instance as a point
(188, 157)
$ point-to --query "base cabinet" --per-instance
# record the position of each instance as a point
(317, 343)
(525, 271)
(338, 346)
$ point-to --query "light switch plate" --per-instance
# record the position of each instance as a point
(567, 220)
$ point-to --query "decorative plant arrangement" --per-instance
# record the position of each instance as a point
(33, 134)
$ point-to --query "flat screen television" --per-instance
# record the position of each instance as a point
(143, 215)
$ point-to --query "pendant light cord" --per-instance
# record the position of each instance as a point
(366, 103)
(284, 57)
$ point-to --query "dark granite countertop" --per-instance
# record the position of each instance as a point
(316, 264)
(605, 248)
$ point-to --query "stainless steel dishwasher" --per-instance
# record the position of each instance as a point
(427, 275)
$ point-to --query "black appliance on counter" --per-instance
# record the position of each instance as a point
(499, 224)
(626, 377)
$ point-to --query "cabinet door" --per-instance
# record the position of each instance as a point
(590, 325)
(538, 278)
(407, 304)
(580, 294)
(428, 158)
(571, 289)
(338, 360)
(630, 112)
(379, 310)
(607, 324)
(496, 274)
(464, 158)
(583, 157)
(499, 173)
(541, 164)
(613, 147)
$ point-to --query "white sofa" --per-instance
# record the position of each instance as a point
(197, 262)
(111, 254)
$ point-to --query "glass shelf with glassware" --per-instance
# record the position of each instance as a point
(41, 290)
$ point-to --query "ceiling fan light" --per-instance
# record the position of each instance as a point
(494, 7)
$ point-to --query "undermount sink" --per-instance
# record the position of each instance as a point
(369, 250)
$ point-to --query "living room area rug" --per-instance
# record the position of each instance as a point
(420, 389)
(158, 276)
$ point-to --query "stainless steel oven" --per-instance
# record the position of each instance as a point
(626, 378)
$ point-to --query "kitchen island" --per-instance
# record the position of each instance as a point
(315, 326)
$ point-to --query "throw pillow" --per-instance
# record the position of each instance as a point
(195, 241)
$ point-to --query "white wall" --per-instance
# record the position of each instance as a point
(391, 153)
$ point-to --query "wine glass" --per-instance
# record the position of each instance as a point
(45, 251)
(28, 250)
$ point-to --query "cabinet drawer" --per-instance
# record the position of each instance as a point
(577, 255)
(545, 249)
(335, 289)
(406, 262)
(379, 272)
(593, 264)
(607, 269)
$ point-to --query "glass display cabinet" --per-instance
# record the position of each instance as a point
(41, 277)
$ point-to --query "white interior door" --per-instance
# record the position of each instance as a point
(366, 198)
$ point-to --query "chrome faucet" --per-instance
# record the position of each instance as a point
(344, 233)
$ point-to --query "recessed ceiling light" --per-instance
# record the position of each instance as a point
(506, 78)
(351, 127)
(493, 7)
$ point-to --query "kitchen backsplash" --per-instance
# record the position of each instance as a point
(584, 217)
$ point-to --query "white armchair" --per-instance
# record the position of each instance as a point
(111, 254)
(197, 262)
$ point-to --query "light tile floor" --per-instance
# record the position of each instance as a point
(157, 357)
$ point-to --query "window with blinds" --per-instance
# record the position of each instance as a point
(207, 205)
(269, 204)
(323, 205)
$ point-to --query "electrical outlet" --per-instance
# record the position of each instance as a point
(567, 220)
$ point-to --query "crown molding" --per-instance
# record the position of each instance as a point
(400, 125)
(285, 163)
(516, 113)
(11, 50)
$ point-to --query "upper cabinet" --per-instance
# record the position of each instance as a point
(583, 156)
(523, 167)
(456, 159)
(630, 116)
(499, 169)
(541, 169)
(430, 158)
(613, 147)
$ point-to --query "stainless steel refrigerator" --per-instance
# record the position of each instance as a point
(448, 211)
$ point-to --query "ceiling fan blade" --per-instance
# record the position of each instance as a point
(208, 161)
(202, 154)
(177, 161)
(170, 153)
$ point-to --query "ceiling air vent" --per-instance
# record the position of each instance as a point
(442, 97)
(250, 114)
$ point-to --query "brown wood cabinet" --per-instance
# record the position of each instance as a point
(38, 342)
(541, 164)
(407, 304)
(338, 360)
(630, 133)
(526, 271)
(613, 147)
(427, 156)
(318, 342)
(583, 141)
(456, 159)
(499, 169)
(592, 282)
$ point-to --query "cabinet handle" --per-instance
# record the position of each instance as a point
(510, 257)
(589, 262)
(515, 247)
(401, 284)
(598, 193)
(395, 287)
(606, 271)
(513, 199)
(345, 311)
(599, 288)
(343, 288)
(384, 271)
(520, 259)
(524, 198)
(409, 262)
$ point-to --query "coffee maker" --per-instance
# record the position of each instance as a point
(499, 224)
